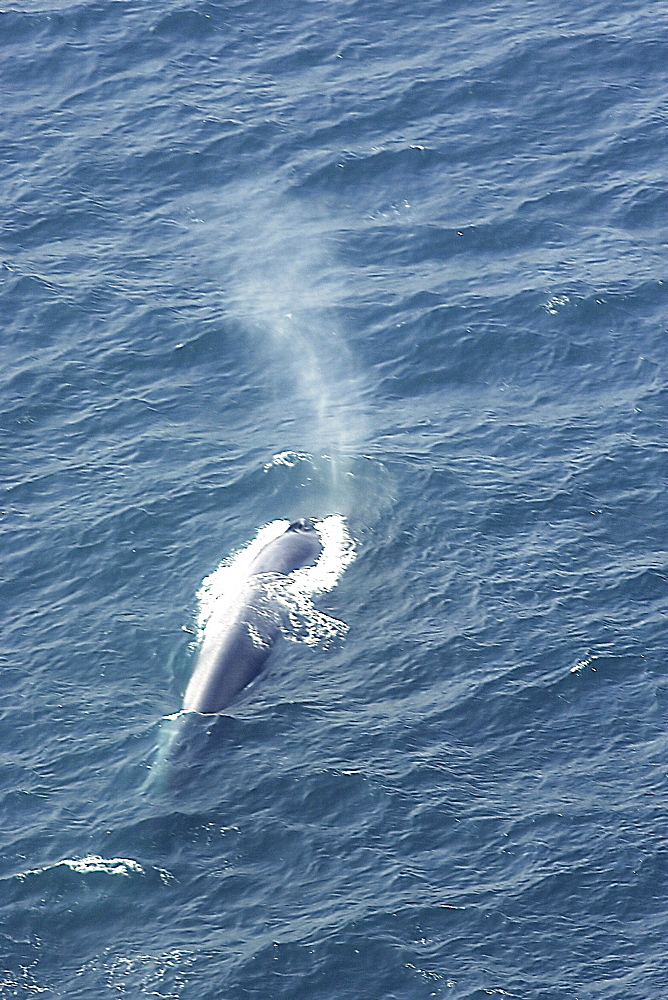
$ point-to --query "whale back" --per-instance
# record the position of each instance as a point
(232, 655)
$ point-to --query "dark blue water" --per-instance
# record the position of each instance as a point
(399, 262)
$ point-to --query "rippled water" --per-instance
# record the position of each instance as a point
(400, 263)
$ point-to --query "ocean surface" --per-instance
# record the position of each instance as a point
(402, 265)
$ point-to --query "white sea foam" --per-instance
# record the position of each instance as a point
(288, 458)
(93, 863)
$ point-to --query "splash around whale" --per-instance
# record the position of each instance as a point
(265, 594)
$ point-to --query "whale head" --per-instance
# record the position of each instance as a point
(299, 545)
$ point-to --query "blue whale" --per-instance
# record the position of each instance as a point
(233, 655)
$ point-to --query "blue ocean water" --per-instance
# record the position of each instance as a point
(399, 262)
